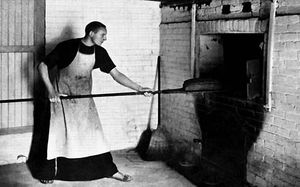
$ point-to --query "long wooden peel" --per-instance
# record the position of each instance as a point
(180, 90)
(16, 100)
(191, 85)
(168, 91)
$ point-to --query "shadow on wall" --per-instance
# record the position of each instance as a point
(66, 33)
(37, 162)
(229, 127)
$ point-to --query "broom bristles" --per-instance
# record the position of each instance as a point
(158, 147)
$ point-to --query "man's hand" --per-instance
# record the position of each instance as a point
(147, 91)
(54, 96)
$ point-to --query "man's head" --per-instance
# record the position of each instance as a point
(96, 31)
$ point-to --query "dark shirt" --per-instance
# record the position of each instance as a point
(65, 52)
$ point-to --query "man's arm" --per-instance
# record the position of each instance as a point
(125, 81)
(52, 94)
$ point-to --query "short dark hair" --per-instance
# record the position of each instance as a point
(94, 26)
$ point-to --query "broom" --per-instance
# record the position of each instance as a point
(153, 143)
(145, 138)
(158, 148)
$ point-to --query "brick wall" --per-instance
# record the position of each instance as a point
(133, 44)
(175, 57)
(271, 139)
(277, 147)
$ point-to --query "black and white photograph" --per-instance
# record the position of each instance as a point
(150, 93)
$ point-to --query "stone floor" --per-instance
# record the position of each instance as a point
(144, 173)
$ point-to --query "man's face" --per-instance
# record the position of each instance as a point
(99, 37)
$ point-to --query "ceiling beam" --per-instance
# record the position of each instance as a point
(182, 2)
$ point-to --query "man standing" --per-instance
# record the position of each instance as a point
(76, 142)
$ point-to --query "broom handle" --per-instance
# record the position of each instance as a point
(158, 87)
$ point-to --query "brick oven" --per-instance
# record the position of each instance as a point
(250, 130)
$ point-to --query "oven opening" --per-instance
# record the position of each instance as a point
(237, 61)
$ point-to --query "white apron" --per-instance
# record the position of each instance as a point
(75, 128)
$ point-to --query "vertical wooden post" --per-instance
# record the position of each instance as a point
(270, 50)
(39, 31)
(193, 39)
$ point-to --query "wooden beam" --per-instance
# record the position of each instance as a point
(184, 2)
(12, 49)
(39, 31)
(193, 39)
(16, 130)
(269, 76)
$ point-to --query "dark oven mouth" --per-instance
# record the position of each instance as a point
(236, 61)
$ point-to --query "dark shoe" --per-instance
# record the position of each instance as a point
(46, 181)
